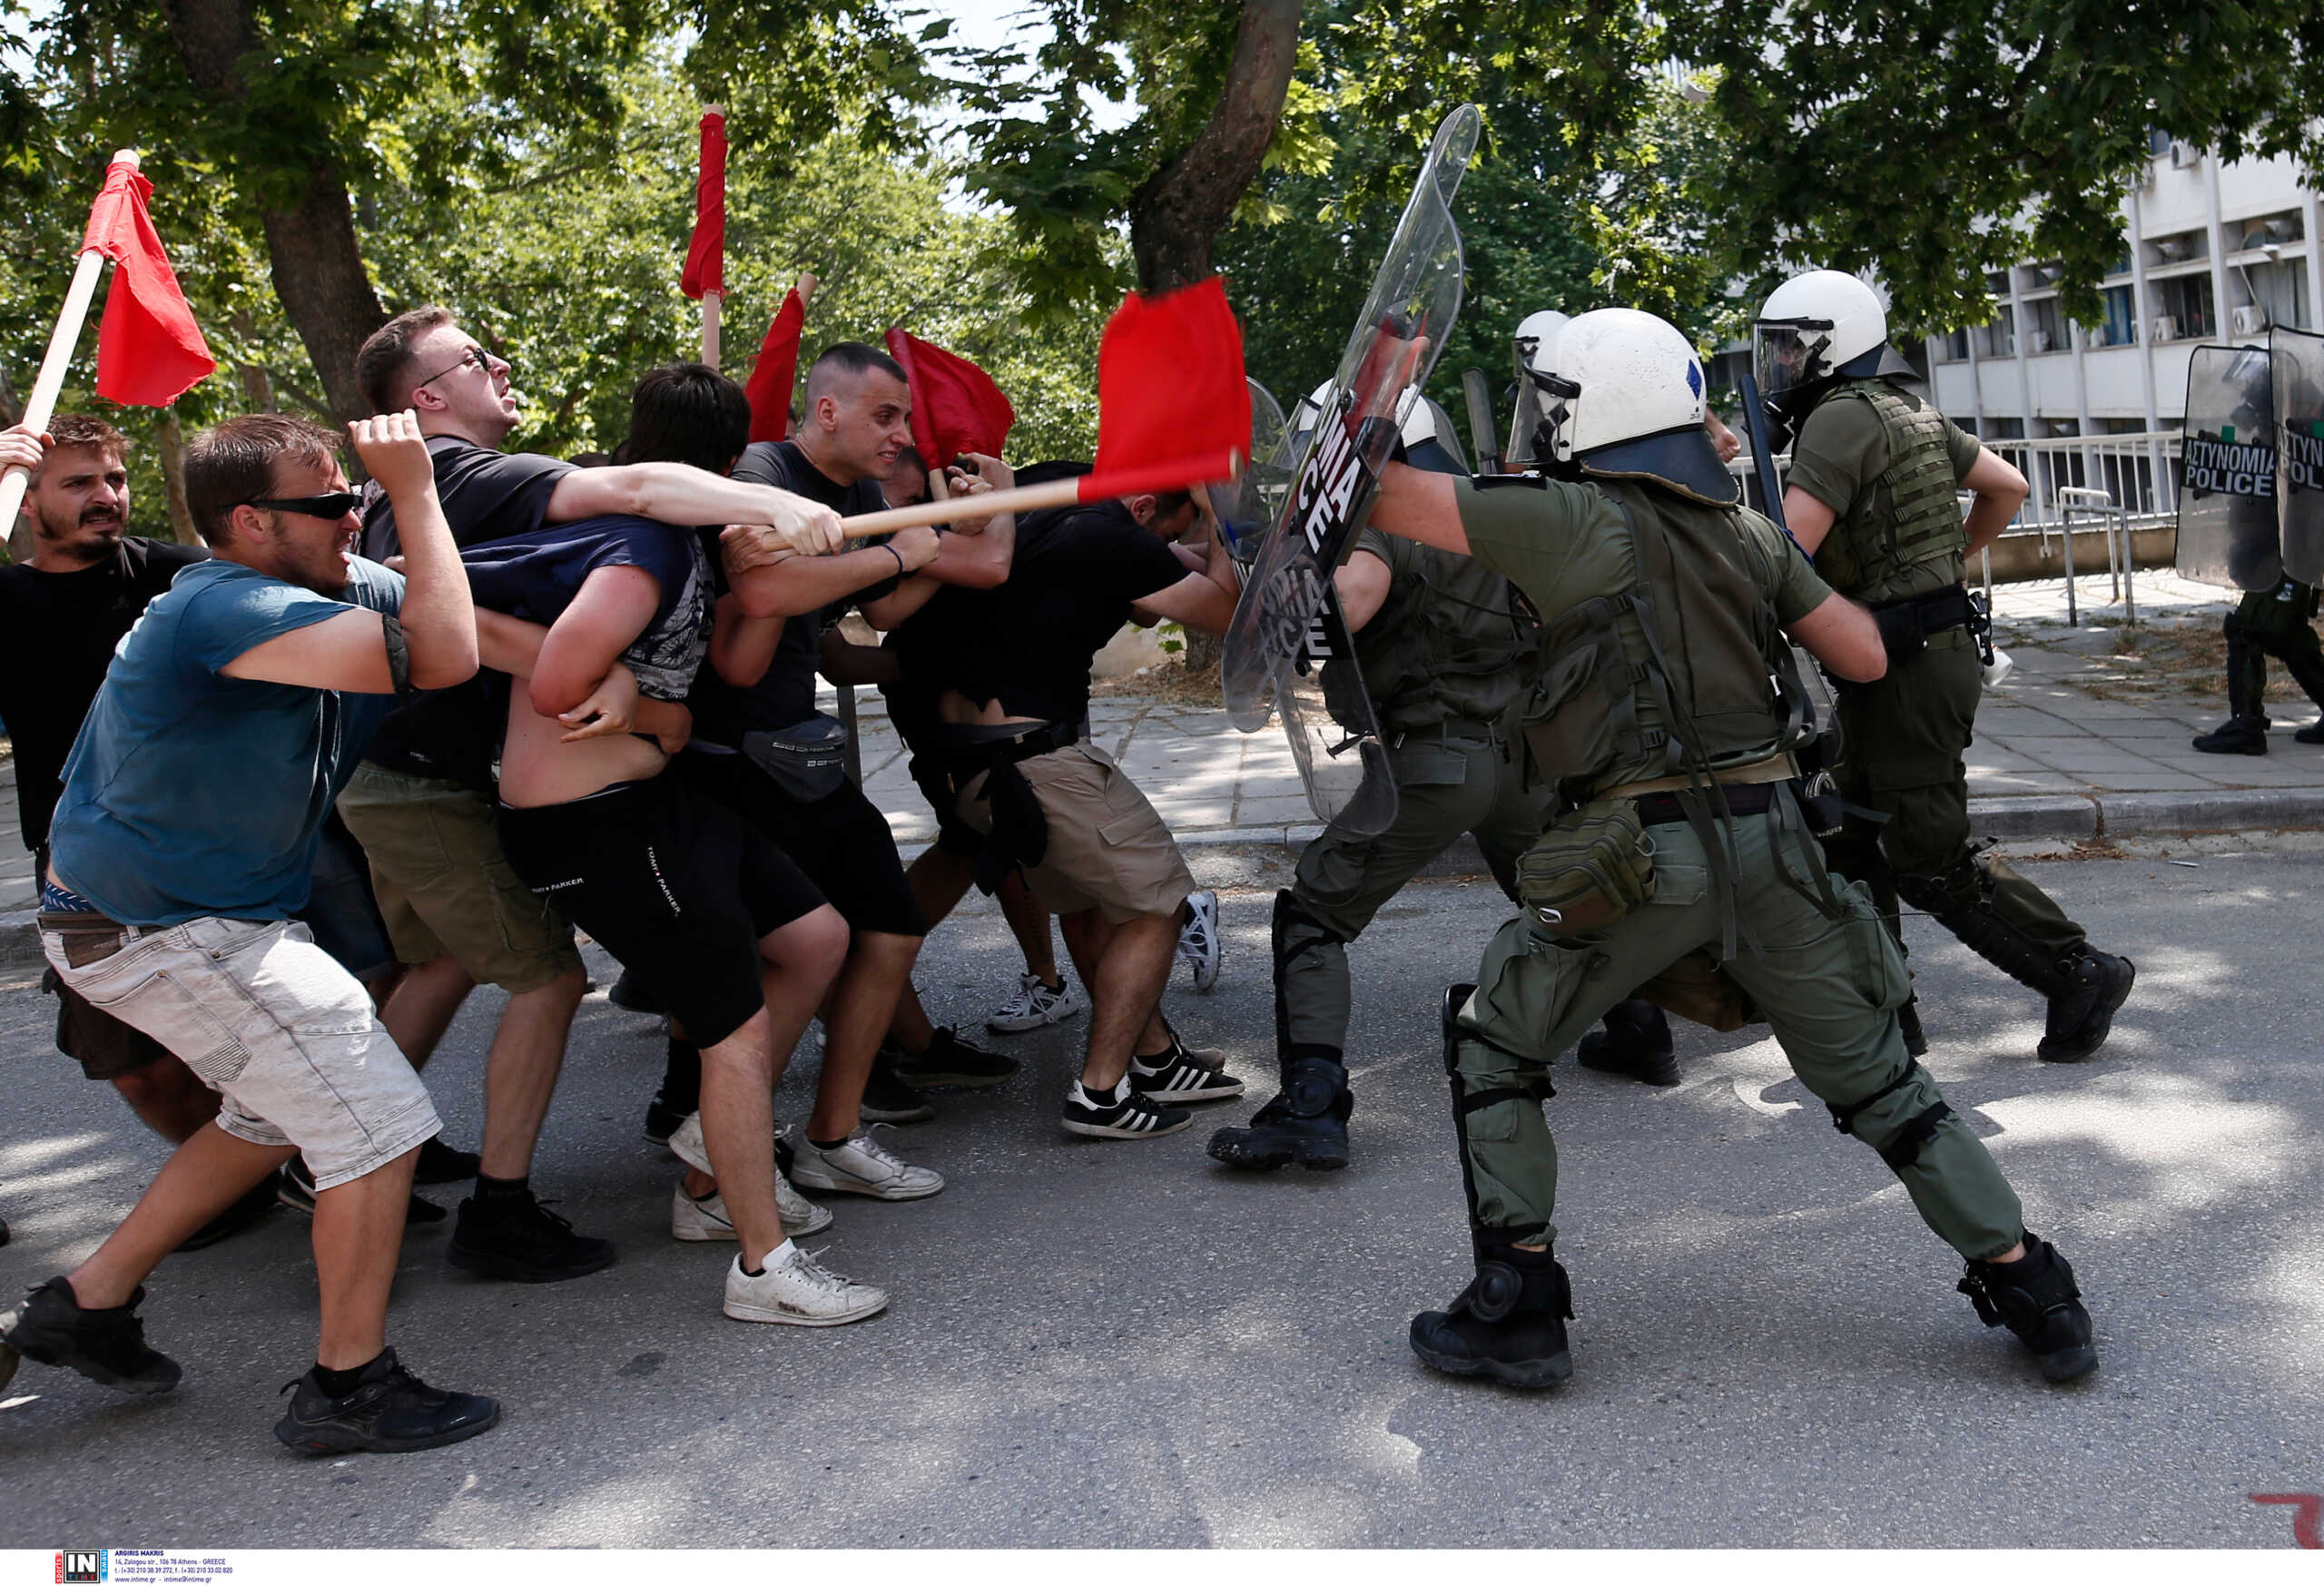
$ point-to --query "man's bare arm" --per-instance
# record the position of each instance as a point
(742, 646)
(1842, 634)
(805, 584)
(1809, 519)
(612, 608)
(2000, 492)
(1417, 505)
(1363, 585)
(677, 493)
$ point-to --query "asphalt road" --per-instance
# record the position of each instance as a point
(1102, 1344)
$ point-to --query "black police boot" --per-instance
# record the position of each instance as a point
(1634, 1044)
(1508, 1324)
(2091, 986)
(2035, 1298)
(1305, 1123)
(1908, 1022)
(2236, 735)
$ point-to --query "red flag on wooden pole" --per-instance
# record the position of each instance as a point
(955, 406)
(776, 368)
(149, 350)
(704, 276)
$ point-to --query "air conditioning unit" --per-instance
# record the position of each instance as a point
(2164, 329)
(2184, 156)
(2037, 341)
(2249, 320)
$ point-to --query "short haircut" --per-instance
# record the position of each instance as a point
(234, 464)
(1168, 503)
(82, 430)
(849, 358)
(686, 413)
(383, 365)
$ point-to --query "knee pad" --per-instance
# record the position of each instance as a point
(1296, 931)
(1908, 1138)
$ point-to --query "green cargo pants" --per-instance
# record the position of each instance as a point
(1830, 989)
(1905, 737)
(1444, 787)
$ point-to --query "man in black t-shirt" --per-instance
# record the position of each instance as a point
(424, 793)
(60, 614)
(1012, 668)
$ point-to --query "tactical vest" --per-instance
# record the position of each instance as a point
(1453, 642)
(1684, 672)
(1911, 517)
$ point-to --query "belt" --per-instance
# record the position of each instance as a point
(88, 936)
(1466, 732)
(1663, 809)
(980, 747)
(1776, 768)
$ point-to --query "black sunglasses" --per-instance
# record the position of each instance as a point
(474, 355)
(333, 506)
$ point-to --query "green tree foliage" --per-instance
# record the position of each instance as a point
(1935, 139)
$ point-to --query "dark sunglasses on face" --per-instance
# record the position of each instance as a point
(474, 355)
(333, 506)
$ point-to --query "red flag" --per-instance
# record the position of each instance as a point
(1172, 401)
(955, 406)
(776, 370)
(149, 350)
(705, 269)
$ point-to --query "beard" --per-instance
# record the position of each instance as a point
(88, 536)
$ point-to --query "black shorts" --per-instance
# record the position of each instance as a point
(670, 882)
(841, 840)
(921, 731)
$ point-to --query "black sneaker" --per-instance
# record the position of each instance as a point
(888, 1100)
(256, 1202)
(519, 1240)
(2312, 733)
(950, 1061)
(1634, 1044)
(1127, 1114)
(2236, 735)
(106, 1346)
(294, 1187)
(389, 1412)
(1173, 1077)
(2035, 1298)
(1508, 1324)
(440, 1164)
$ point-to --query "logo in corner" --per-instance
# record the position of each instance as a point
(1695, 378)
(80, 1566)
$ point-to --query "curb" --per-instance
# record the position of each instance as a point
(1264, 856)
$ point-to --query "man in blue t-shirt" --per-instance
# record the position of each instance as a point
(192, 806)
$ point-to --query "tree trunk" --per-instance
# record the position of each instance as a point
(1177, 211)
(169, 444)
(258, 388)
(318, 270)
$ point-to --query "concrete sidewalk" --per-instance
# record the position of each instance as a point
(2061, 754)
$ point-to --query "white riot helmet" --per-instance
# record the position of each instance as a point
(1624, 399)
(1430, 440)
(1812, 328)
(1535, 332)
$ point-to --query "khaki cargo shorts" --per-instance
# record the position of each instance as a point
(1108, 848)
(272, 1023)
(444, 885)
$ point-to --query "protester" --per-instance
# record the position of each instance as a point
(173, 875)
(1013, 697)
(423, 803)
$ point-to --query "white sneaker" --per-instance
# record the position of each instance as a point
(861, 1166)
(1198, 942)
(800, 1215)
(800, 1292)
(1036, 1005)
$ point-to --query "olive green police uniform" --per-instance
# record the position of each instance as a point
(1888, 465)
(1809, 950)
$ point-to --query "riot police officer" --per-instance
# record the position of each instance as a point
(1446, 649)
(1664, 608)
(2279, 622)
(1871, 497)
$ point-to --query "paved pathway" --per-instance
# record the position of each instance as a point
(2052, 729)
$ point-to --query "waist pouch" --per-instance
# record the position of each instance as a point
(1591, 867)
(1905, 625)
(808, 760)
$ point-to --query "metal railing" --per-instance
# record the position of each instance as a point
(2118, 484)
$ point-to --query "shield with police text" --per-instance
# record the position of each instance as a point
(1414, 299)
(1246, 506)
(2298, 360)
(1334, 735)
(2227, 481)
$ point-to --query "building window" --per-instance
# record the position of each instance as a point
(2185, 301)
(1997, 337)
(2120, 328)
(2280, 291)
(1953, 346)
(2046, 328)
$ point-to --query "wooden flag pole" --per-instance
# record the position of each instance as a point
(42, 406)
(1184, 475)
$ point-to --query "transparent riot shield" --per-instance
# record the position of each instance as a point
(2227, 485)
(1414, 299)
(2297, 359)
(1246, 506)
(1334, 737)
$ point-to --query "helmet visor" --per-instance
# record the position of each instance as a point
(1788, 354)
